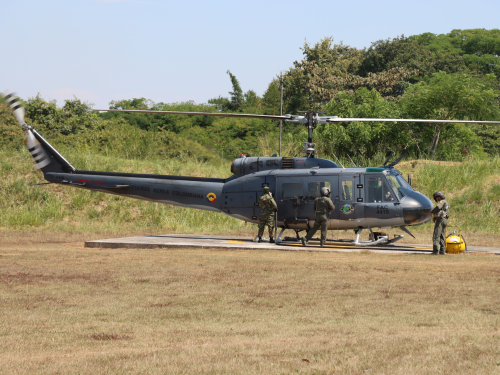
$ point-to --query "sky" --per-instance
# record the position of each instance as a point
(174, 51)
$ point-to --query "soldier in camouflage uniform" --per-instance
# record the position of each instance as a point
(440, 214)
(323, 206)
(267, 207)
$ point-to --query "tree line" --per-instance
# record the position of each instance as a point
(428, 76)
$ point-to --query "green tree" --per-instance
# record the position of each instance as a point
(364, 138)
(239, 101)
(308, 85)
(451, 97)
(237, 98)
(40, 111)
(135, 103)
(472, 50)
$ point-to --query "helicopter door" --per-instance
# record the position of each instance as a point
(314, 185)
(291, 198)
(346, 200)
(381, 202)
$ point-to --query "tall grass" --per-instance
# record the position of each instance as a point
(471, 187)
(61, 208)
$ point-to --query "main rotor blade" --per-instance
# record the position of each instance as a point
(241, 115)
(330, 119)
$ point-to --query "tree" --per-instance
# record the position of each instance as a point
(308, 84)
(135, 103)
(365, 138)
(237, 98)
(473, 50)
(451, 97)
(400, 52)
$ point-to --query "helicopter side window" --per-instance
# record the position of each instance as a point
(347, 190)
(272, 163)
(291, 190)
(396, 184)
(379, 191)
(314, 188)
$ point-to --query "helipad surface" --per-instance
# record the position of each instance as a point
(247, 243)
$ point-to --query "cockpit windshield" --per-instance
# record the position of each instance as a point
(403, 182)
(397, 182)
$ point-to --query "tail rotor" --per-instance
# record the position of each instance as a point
(34, 147)
(16, 107)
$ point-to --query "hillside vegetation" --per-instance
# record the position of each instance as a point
(472, 188)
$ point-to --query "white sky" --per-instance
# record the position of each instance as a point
(172, 50)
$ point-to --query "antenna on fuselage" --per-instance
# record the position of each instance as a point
(351, 160)
(281, 108)
(338, 160)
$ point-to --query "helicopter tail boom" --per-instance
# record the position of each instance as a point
(193, 192)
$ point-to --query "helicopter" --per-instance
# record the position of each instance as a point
(364, 197)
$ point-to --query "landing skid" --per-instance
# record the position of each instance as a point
(382, 240)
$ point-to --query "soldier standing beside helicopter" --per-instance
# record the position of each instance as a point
(267, 207)
(323, 206)
(440, 214)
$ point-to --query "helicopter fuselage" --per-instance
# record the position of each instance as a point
(363, 197)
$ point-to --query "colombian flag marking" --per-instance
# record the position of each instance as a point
(211, 197)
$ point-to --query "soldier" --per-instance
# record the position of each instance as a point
(267, 207)
(440, 214)
(323, 206)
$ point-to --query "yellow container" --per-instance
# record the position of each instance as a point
(455, 243)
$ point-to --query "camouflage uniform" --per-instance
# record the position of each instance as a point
(441, 214)
(267, 207)
(323, 206)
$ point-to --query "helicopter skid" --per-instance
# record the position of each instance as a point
(382, 240)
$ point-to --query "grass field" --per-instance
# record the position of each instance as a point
(69, 309)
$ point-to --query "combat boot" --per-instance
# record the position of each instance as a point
(271, 240)
(260, 240)
(322, 243)
(304, 242)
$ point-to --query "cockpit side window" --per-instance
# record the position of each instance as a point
(291, 190)
(396, 185)
(314, 189)
(379, 191)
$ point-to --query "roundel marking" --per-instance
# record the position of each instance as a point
(211, 197)
(347, 209)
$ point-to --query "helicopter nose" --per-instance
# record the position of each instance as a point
(416, 209)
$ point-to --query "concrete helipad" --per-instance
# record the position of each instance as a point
(247, 243)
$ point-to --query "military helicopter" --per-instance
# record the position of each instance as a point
(364, 197)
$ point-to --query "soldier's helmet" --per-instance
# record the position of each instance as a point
(438, 194)
(325, 191)
(265, 190)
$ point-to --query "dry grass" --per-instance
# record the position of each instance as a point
(69, 309)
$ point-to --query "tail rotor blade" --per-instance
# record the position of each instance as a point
(32, 144)
(15, 105)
